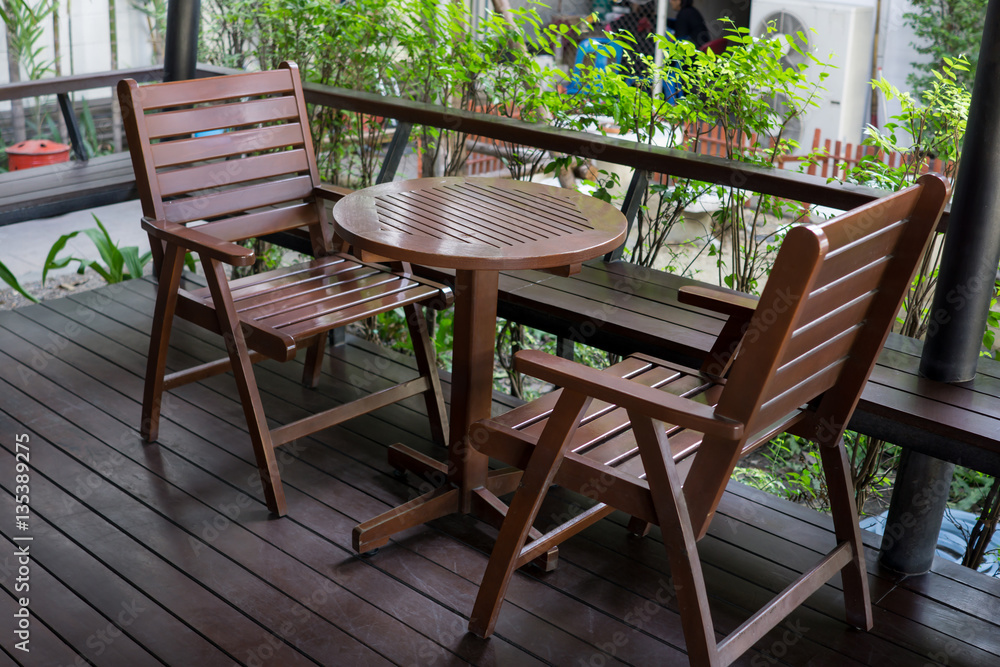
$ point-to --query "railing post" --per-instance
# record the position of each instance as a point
(72, 127)
(394, 154)
(180, 53)
(959, 309)
(630, 207)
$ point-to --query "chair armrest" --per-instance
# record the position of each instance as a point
(200, 242)
(627, 394)
(716, 299)
(330, 192)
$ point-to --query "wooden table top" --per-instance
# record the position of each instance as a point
(479, 223)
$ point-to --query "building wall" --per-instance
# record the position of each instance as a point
(85, 40)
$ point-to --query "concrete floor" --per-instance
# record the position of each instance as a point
(25, 245)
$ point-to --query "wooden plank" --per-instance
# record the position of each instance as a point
(158, 557)
(45, 648)
(51, 603)
(949, 617)
(69, 84)
(55, 189)
(423, 576)
(320, 555)
(614, 319)
(604, 575)
(127, 608)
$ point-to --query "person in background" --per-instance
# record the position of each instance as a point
(641, 24)
(688, 24)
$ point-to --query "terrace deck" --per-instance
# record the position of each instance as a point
(165, 554)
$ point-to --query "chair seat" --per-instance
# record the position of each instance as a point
(604, 443)
(284, 309)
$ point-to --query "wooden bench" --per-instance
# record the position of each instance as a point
(55, 189)
(623, 308)
(43, 192)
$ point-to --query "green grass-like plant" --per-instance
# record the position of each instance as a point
(119, 264)
(8, 277)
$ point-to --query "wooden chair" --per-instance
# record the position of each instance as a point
(234, 156)
(660, 441)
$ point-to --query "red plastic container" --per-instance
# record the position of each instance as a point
(35, 153)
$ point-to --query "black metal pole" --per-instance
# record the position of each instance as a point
(972, 244)
(959, 309)
(919, 498)
(180, 52)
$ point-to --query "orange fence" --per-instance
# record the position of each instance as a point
(838, 156)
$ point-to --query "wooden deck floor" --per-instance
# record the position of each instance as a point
(165, 554)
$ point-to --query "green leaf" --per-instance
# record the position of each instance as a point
(100, 270)
(8, 277)
(50, 259)
(130, 255)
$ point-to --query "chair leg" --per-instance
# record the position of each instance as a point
(857, 599)
(159, 342)
(314, 363)
(423, 349)
(679, 538)
(246, 383)
(535, 482)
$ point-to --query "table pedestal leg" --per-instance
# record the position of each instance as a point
(470, 487)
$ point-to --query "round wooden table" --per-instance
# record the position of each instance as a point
(477, 226)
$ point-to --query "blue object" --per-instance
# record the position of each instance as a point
(601, 51)
(951, 541)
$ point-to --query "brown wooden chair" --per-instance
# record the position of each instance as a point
(660, 441)
(234, 156)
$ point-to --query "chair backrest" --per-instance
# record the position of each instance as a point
(828, 306)
(233, 151)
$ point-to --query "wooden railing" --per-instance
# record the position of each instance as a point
(62, 86)
(782, 183)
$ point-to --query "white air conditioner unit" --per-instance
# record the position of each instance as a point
(846, 30)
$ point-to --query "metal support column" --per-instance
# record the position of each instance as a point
(958, 312)
(180, 53)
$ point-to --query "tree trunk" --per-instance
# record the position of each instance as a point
(116, 112)
(14, 70)
(57, 64)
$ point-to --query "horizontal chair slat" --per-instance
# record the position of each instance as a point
(238, 199)
(314, 304)
(811, 362)
(301, 300)
(219, 116)
(815, 333)
(260, 223)
(225, 172)
(822, 301)
(368, 308)
(229, 144)
(180, 93)
(778, 405)
(874, 247)
(873, 213)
